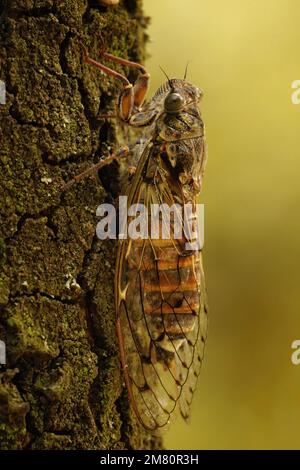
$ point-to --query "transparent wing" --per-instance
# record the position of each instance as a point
(161, 316)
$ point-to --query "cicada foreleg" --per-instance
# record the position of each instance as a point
(132, 96)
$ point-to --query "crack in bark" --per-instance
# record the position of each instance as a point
(44, 213)
(38, 12)
(46, 295)
(90, 307)
(62, 53)
(23, 122)
(124, 418)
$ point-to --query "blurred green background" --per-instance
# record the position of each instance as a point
(245, 55)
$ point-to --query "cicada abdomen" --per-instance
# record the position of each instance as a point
(160, 287)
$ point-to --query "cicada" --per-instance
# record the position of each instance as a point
(160, 296)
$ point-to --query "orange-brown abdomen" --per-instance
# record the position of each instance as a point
(168, 284)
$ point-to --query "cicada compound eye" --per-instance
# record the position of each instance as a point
(173, 102)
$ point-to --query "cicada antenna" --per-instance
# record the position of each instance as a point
(169, 81)
(186, 69)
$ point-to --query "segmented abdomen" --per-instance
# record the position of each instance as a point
(168, 289)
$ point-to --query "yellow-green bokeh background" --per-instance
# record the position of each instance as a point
(244, 54)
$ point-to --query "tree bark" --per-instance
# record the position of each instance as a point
(61, 387)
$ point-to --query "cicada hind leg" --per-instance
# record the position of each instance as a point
(133, 95)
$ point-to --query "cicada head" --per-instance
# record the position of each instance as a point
(181, 94)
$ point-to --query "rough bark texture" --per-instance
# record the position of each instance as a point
(61, 387)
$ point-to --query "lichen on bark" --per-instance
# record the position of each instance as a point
(61, 387)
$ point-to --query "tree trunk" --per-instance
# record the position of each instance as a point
(61, 387)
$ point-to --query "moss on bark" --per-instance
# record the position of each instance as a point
(62, 387)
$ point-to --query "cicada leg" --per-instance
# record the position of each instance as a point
(122, 153)
(141, 84)
(131, 170)
(132, 96)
